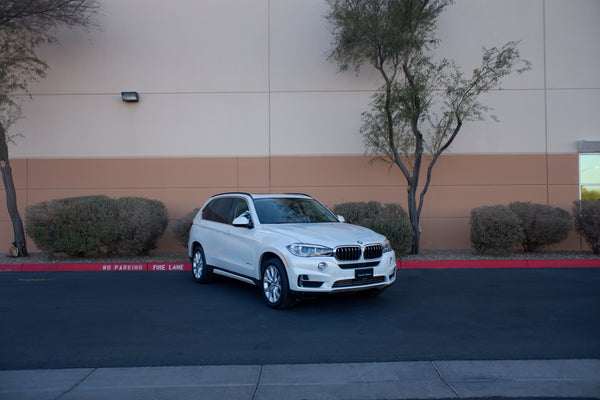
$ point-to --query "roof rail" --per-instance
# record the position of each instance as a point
(300, 194)
(224, 193)
(250, 195)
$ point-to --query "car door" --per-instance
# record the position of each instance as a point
(215, 221)
(242, 255)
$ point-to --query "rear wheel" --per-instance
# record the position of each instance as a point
(275, 286)
(201, 271)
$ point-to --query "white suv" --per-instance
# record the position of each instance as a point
(289, 245)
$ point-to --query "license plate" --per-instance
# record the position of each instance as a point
(363, 274)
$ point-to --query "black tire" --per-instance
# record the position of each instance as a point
(274, 285)
(201, 272)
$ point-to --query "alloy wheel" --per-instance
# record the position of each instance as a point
(272, 284)
(197, 264)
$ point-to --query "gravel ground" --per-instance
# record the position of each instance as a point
(43, 258)
(181, 256)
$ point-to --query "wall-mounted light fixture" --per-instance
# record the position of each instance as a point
(130, 97)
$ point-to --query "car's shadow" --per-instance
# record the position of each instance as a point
(251, 295)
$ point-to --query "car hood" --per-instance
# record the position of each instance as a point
(325, 234)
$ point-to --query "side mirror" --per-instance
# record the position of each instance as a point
(340, 218)
(243, 222)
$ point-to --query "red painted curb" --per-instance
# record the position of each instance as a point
(95, 267)
(462, 264)
(39, 267)
(444, 264)
(170, 267)
(11, 267)
(563, 263)
(448, 264)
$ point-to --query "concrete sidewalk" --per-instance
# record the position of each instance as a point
(394, 380)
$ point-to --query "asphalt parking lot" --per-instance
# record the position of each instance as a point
(141, 319)
(461, 333)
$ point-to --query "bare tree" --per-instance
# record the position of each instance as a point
(24, 26)
(423, 103)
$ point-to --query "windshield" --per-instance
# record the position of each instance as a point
(291, 211)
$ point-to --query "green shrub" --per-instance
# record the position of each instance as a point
(495, 229)
(141, 223)
(587, 222)
(96, 225)
(180, 228)
(543, 225)
(389, 220)
(76, 226)
(355, 211)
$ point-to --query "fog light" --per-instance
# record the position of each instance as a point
(322, 266)
(302, 279)
(305, 282)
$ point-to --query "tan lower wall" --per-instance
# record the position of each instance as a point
(460, 183)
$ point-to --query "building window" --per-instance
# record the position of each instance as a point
(589, 176)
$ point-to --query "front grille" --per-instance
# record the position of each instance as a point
(348, 253)
(373, 251)
(359, 265)
(353, 282)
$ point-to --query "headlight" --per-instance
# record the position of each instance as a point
(387, 247)
(309, 250)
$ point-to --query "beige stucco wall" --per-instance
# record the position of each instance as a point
(238, 95)
(460, 183)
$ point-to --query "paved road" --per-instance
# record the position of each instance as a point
(122, 319)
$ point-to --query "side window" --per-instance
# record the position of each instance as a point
(208, 212)
(238, 207)
(218, 210)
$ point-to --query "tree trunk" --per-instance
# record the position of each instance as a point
(413, 214)
(11, 196)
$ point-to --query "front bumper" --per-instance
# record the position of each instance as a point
(327, 275)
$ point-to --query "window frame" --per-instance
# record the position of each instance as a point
(587, 184)
(209, 213)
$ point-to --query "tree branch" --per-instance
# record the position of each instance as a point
(435, 159)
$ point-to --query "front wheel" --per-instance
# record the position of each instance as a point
(275, 287)
(201, 271)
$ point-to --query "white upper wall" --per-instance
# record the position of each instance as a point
(250, 78)
(572, 48)
(155, 46)
(573, 80)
